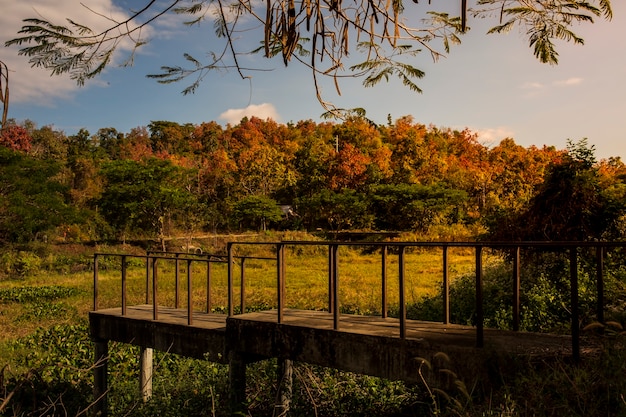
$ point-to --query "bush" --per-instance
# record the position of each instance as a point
(544, 296)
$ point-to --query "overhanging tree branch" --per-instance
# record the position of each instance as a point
(325, 32)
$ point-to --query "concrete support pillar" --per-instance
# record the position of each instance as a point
(100, 377)
(285, 387)
(237, 380)
(145, 372)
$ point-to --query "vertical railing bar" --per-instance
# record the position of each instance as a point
(242, 288)
(600, 283)
(177, 283)
(280, 281)
(335, 275)
(402, 290)
(516, 288)
(148, 278)
(283, 271)
(479, 298)
(331, 279)
(384, 281)
(95, 282)
(229, 247)
(155, 307)
(208, 285)
(446, 287)
(574, 303)
(123, 285)
(189, 294)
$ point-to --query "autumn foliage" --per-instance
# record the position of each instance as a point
(16, 138)
(403, 176)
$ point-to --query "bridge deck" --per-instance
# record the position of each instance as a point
(362, 344)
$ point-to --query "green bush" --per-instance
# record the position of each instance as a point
(30, 294)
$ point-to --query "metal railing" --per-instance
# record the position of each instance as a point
(153, 259)
(514, 250)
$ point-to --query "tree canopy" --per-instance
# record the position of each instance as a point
(171, 179)
(320, 34)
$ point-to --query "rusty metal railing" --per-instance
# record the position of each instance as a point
(152, 261)
(515, 249)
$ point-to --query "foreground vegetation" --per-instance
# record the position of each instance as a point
(46, 355)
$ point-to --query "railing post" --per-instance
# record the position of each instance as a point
(229, 247)
(401, 285)
(189, 294)
(332, 253)
(516, 288)
(242, 288)
(573, 269)
(384, 281)
(283, 271)
(335, 285)
(176, 283)
(446, 287)
(155, 306)
(479, 298)
(123, 285)
(95, 282)
(280, 278)
(600, 283)
(148, 278)
(208, 285)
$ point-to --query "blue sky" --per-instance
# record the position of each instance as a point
(491, 84)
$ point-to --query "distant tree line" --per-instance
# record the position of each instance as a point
(182, 179)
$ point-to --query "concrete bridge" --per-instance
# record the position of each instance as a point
(387, 347)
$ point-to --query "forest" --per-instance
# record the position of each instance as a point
(170, 179)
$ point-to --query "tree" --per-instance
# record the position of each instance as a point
(141, 197)
(348, 168)
(47, 143)
(257, 211)
(414, 207)
(335, 210)
(83, 165)
(32, 202)
(569, 205)
(15, 137)
(318, 33)
(516, 172)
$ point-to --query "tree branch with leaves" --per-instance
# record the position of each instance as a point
(320, 34)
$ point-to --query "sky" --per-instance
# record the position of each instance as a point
(490, 84)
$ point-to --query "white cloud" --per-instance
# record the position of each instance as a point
(35, 85)
(532, 89)
(531, 85)
(493, 136)
(569, 81)
(262, 111)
